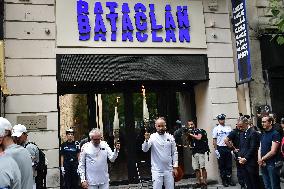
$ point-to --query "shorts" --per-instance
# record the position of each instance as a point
(198, 161)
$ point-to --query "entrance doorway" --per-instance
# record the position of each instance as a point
(99, 80)
(120, 115)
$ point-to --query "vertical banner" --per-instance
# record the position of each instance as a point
(240, 29)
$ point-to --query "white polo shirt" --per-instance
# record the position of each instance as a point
(220, 132)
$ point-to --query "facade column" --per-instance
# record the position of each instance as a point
(219, 94)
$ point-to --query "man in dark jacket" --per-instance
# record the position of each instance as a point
(233, 142)
(248, 153)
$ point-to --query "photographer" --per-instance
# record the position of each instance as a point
(199, 144)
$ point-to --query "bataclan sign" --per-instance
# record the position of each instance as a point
(128, 23)
(91, 23)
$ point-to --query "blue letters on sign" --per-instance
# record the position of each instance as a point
(106, 17)
(83, 20)
(182, 17)
(98, 9)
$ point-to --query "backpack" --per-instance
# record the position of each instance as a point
(204, 138)
(41, 168)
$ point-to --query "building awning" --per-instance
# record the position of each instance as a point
(101, 69)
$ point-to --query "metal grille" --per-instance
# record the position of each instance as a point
(112, 68)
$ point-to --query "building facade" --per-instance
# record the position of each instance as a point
(42, 49)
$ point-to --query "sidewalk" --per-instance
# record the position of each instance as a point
(183, 184)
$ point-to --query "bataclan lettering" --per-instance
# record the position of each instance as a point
(175, 24)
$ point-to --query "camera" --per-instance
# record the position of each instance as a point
(187, 130)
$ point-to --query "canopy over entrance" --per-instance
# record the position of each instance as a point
(82, 72)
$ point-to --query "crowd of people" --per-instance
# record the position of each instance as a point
(254, 149)
(16, 163)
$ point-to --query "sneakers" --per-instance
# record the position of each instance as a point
(200, 185)
(230, 182)
(225, 184)
(196, 185)
(204, 186)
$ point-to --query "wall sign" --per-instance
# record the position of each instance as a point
(239, 21)
(125, 23)
(176, 22)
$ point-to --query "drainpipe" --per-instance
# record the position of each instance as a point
(247, 98)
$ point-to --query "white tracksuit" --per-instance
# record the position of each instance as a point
(164, 157)
(93, 165)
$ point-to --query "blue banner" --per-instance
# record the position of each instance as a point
(240, 29)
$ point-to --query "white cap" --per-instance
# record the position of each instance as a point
(4, 123)
(69, 131)
(18, 130)
(2, 131)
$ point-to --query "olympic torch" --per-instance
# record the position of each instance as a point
(145, 109)
(116, 123)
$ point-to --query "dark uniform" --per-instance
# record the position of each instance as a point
(234, 137)
(223, 153)
(249, 144)
(69, 151)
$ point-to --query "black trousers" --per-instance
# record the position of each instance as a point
(251, 176)
(225, 162)
(71, 179)
(240, 174)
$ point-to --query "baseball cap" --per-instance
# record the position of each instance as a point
(18, 130)
(221, 117)
(4, 123)
(2, 131)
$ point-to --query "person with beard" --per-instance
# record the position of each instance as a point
(164, 155)
(69, 154)
(267, 155)
(233, 142)
(10, 176)
(199, 145)
(19, 154)
(93, 167)
(248, 153)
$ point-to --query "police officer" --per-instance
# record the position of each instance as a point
(223, 152)
(69, 153)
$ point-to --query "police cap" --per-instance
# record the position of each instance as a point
(69, 131)
(221, 117)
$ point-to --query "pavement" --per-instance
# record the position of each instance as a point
(183, 184)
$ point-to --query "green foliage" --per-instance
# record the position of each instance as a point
(81, 109)
(109, 101)
(277, 10)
